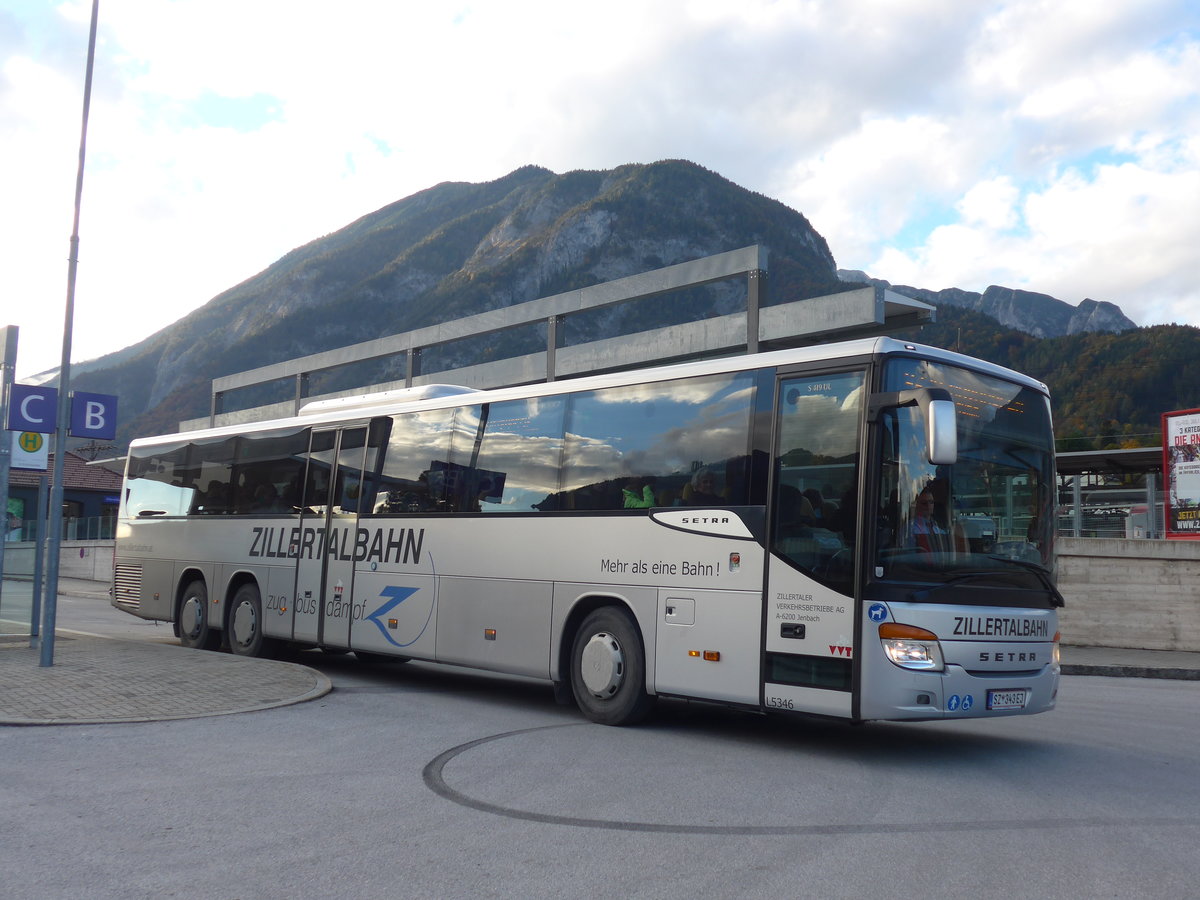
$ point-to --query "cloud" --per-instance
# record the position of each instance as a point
(1123, 233)
(1041, 144)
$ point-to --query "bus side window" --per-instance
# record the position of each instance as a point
(412, 473)
(512, 462)
(627, 445)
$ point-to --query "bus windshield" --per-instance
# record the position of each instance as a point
(990, 512)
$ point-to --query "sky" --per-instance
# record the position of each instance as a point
(1049, 145)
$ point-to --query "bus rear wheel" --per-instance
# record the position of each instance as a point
(246, 622)
(608, 669)
(191, 618)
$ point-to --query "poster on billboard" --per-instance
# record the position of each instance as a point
(1181, 471)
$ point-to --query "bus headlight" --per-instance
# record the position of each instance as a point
(911, 648)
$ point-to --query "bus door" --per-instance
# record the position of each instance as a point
(333, 488)
(809, 642)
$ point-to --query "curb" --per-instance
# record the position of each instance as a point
(1131, 672)
(98, 680)
(324, 686)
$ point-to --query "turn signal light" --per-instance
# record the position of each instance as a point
(896, 631)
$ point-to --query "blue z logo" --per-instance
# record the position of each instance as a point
(395, 596)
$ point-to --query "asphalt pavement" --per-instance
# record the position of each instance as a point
(97, 679)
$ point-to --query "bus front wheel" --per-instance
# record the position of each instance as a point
(608, 669)
(246, 622)
(191, 618)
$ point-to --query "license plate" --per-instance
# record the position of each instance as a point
(1007, 699)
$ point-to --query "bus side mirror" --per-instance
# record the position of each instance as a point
(937, 409)
(942, 432)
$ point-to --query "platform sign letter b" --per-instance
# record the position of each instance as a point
(93, 416)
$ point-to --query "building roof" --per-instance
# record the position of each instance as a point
(78, 475)
(1139, 459)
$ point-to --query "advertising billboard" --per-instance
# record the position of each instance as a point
(1181, 473)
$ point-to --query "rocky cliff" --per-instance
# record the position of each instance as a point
(1037, 314)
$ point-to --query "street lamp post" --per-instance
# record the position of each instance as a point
(50, 609)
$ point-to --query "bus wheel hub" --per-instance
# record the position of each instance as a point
(244, 624)
(602, 665)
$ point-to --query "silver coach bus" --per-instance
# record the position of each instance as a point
(861, 530)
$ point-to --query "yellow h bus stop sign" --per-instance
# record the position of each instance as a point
(30, 450)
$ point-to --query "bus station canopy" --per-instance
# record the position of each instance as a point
(1139, 459)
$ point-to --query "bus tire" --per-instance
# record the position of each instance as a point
(608, 669)
(246, 622)
(191, 618)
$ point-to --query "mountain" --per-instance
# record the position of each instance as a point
(1037, 314)
(457, 249)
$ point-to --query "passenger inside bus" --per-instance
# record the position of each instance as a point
(639, 494)
(701, 490)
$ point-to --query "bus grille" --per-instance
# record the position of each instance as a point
(127, 586)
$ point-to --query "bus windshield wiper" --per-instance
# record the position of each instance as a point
(1042, 573)
(1056, 599)
(921, 596)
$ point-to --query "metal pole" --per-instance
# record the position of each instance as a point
(1077, 496)
(39, 558)
(1152, 529)
(50, 608)
(8, 362)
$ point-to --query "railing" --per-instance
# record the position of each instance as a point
(89, 528)
(1104, 508)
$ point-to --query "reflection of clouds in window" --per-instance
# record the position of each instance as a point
(168, 499)
(466, 418)
(417, 440)
(659, 429)
(592, 459)
(522, 440)
(853, 399)
(690, 391)
(529, 462)
(819, 423)
(416, 447)
(702, 441)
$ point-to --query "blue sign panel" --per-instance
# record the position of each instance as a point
(93, 416)
(33, 408)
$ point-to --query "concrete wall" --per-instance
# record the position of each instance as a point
(90, 560)
(1130, 593)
